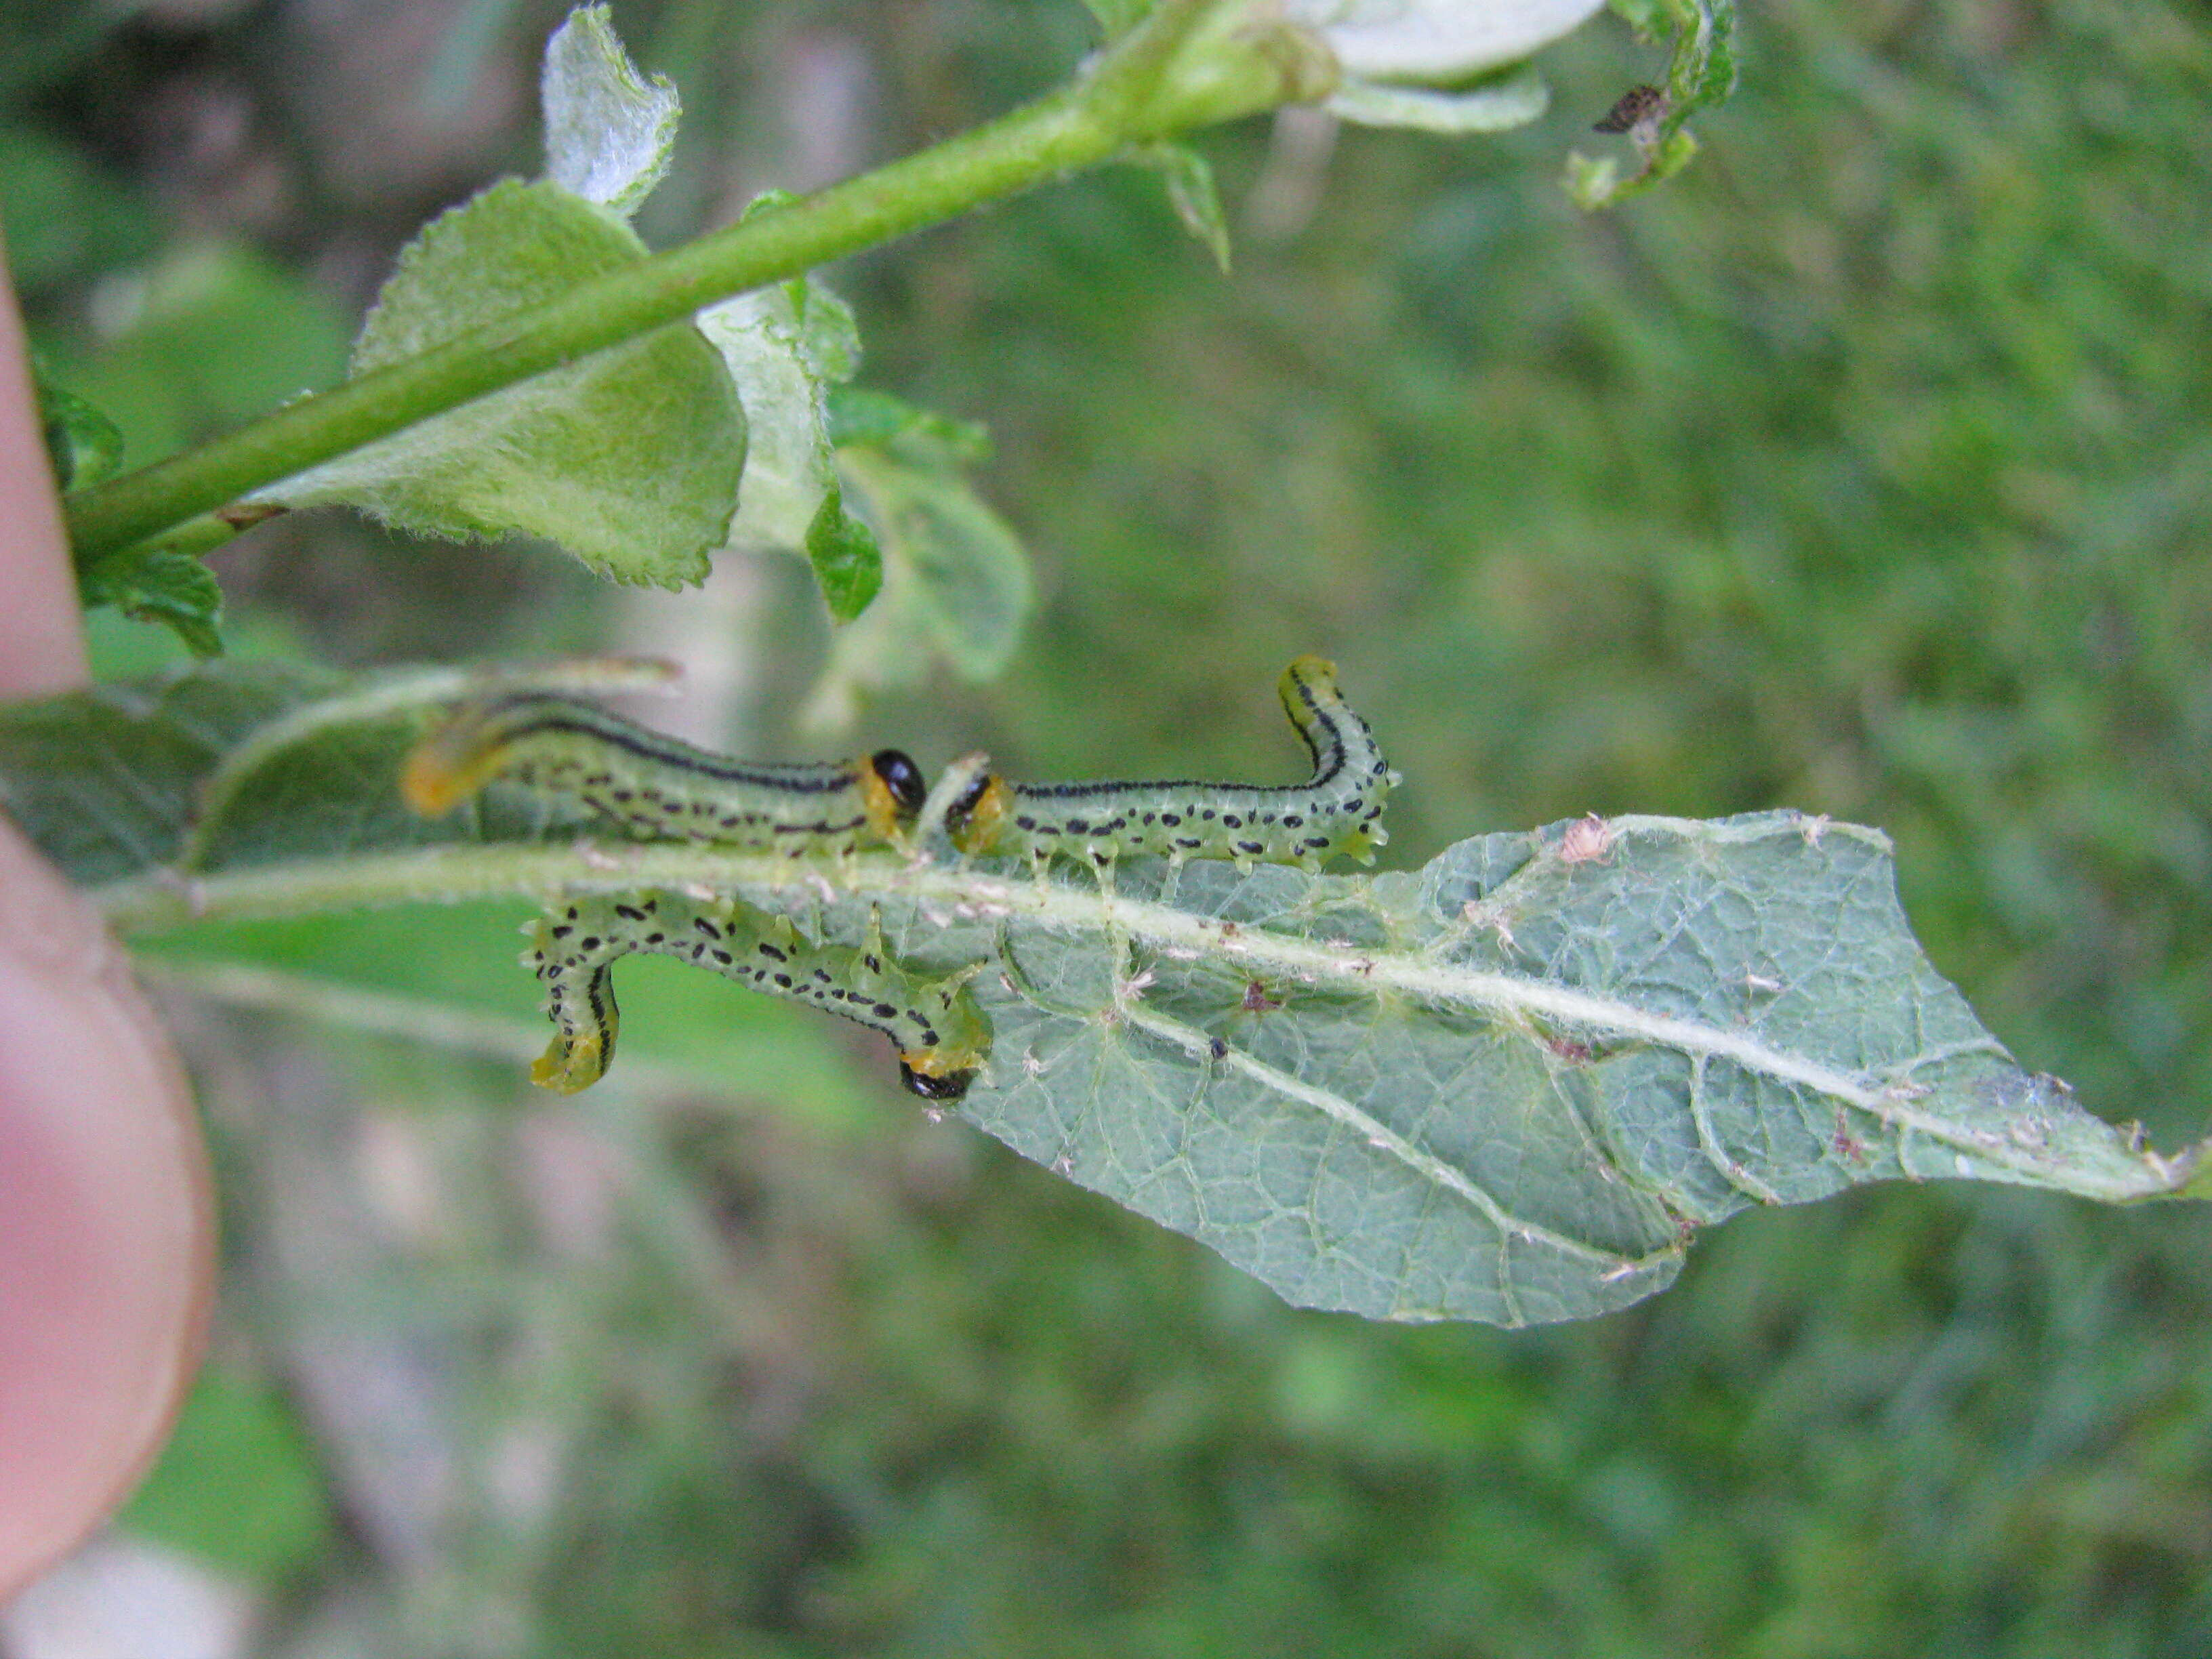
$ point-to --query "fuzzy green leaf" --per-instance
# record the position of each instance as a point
(629, 459)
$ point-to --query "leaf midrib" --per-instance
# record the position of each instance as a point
(165, 899)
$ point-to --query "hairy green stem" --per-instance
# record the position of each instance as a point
(1133, 96)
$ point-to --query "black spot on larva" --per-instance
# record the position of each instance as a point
(655, 939)
(590, 942)
(1207, 815)
(1171, 819)
(1220, 1048)
(1292, 821)
(767, 950)
(1078, 826)
(706, 927)
(1316, 842)
(873, 964)
(1025, 823)
(821, 974)
(562, 932)
(723, 958)
(628, 914)
(884, 1011)
(1189, 841)
(784, 980)
(1251, 847)
(1230, 821)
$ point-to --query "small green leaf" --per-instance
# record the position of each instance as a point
(629, 459)
(1193, 194)
(847, 561)
(956, 590)
(863, 416)
(609, 130)
(163, 585)
(83, 445)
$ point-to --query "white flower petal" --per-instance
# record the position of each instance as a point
(1435, 41)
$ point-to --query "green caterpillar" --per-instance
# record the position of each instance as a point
(939, 1032)
(658, 786)
(1333, 812)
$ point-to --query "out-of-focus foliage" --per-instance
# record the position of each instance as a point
(1861, 468)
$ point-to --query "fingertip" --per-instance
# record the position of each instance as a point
(105, 1222)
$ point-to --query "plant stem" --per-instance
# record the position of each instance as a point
(1053, 136)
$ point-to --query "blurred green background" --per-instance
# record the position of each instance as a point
(1867, 468)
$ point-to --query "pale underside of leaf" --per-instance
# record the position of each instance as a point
(609, 130)
(782, 369)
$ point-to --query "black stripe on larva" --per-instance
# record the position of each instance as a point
(579, 720)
